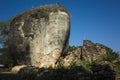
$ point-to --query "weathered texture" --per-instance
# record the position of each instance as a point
(92, 51)
(39, 36)
(89, 52)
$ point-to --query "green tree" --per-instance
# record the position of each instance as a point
(4, 31)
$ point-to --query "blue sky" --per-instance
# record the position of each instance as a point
(95, 20)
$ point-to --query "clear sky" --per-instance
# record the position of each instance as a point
(95, 20)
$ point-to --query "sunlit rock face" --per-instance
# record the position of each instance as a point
(89, 51)
(39, 36)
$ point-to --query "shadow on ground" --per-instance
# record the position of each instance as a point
(99, 72)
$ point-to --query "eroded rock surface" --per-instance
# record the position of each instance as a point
(89, 51)
(92, 51)
(39, 36)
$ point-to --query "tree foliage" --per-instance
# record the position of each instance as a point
(4, 31)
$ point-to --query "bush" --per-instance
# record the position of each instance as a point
(5, 58)
(86, 65)
(72, 48)
(117, 68)
(110, 55)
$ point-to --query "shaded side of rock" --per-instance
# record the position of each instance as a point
(76, 73)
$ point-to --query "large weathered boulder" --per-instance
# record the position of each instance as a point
(39, 36)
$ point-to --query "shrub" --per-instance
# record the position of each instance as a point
(110, 55)
(117, 68)
(72, 48)
(5, 58)
(86, 65)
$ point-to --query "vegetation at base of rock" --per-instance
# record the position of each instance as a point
(31, 76)
(110, 55)
(5, 57)
(75, 73)
(87, 71)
